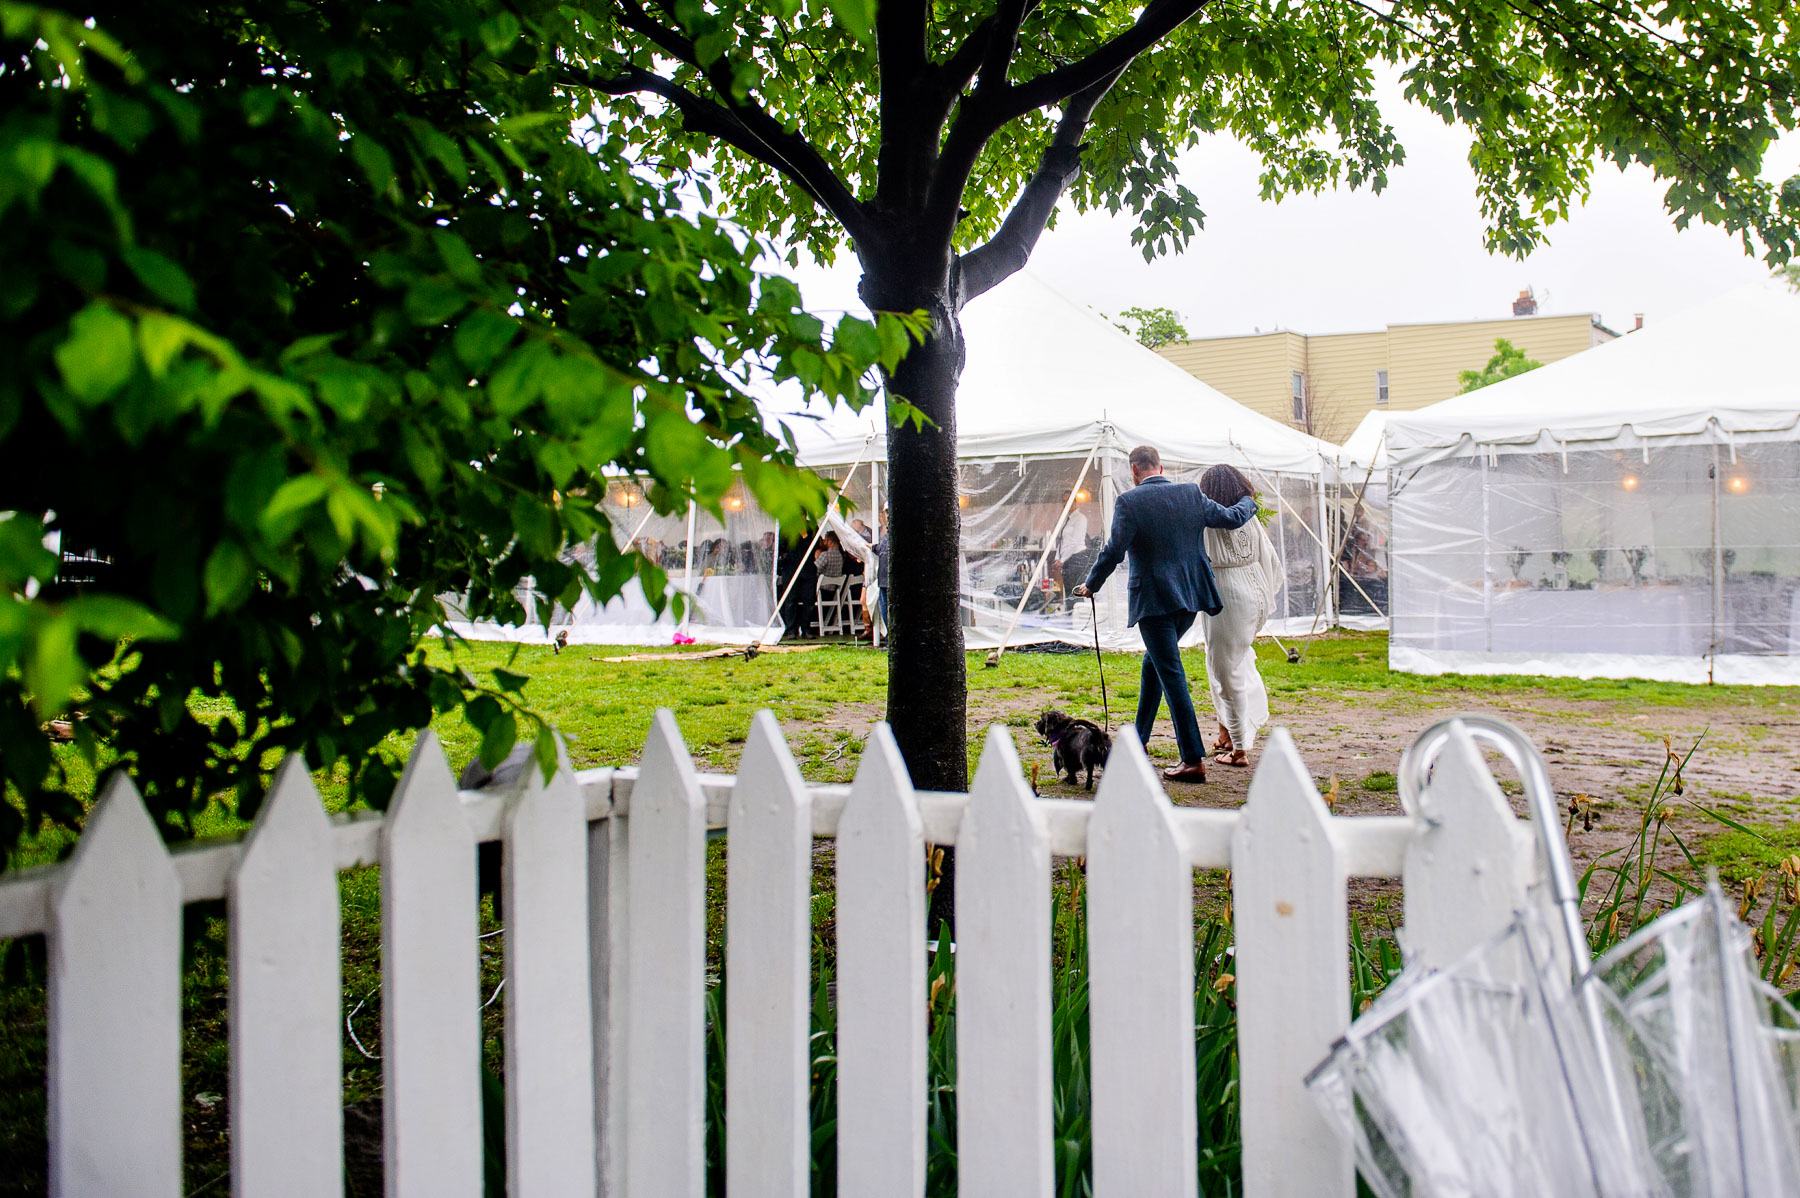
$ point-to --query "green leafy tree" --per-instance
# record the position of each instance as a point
(1155, 326)
(936, 141)
(310, 314)
(1507, 361)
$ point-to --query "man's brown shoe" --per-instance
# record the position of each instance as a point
(1187, 771)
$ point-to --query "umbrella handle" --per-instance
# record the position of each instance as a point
(1540, 797)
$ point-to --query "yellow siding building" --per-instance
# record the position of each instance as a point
(1326, 383)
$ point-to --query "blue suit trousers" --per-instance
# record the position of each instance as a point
(1165, 676)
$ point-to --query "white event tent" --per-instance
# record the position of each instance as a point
(1632, 511)
(1052, 399)
(1362, 503)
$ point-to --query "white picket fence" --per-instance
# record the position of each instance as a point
(605, 896)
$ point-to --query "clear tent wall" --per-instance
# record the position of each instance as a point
(1668, 559)
(1031, 528)
(1018, 565)
(723, 565)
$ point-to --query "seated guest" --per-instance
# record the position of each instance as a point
(830, 556)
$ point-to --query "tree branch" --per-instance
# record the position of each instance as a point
(741, 123)
(1159, 19)
(1007, 251)
(746, 128)
(993, 103)
(909, 130)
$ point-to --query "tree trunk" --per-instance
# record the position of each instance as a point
(927, 669)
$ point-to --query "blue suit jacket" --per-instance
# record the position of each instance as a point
(1161, 524)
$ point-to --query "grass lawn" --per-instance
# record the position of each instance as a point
(1349, 714)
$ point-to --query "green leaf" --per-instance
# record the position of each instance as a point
(294, 495)
(499, 32)
(167, 281)
(228, 577)
(545, 751)
(97, 358)
(376, 163)
(481, 711)
(160, 338)
(511, 682)
(116, 617)
(53, 670)
(34, 158)
(498, 739)
(458, 259)
(433, 300)
(483, 336)
(858, 16)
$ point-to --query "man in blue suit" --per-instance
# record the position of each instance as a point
(1161, 525)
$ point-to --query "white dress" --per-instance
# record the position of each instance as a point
(1248, 572)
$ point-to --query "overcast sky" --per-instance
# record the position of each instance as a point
(1348, 261)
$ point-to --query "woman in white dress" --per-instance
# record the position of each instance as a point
(1248, 574)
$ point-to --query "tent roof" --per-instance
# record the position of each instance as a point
(1045, 376)
(1734, 360)
(1366, 446)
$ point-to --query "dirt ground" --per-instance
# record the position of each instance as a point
(1606, 755)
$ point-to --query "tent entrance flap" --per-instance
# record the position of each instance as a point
(1281, 501)
(1050, 543)
(817, 534)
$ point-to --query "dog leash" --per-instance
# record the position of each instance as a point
(1105, 711)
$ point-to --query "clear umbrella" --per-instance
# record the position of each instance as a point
(1667, 1070)
(1686, 1003)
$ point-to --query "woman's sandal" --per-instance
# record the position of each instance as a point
(1233, 757)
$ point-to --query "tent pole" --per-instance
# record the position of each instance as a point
(1718, 571)
(687, 611)
(1349, 527)
(810, 545)
(1487, 558)
(649, 511)
(1044, 557)
(1285, 506)
(875, 629)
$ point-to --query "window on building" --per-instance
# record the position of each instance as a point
(1381, 388)
(1299, 397)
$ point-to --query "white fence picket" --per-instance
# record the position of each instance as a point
(665, 1116)
(114, 940)
(768, 882)
(1003, 1113)
(1141, 985)
(1293, 965)
(1469, 862)
(608, 851)
(430, 1005)
(549, 1015)
(287, 1122)
(606, 1057)
(881, 980)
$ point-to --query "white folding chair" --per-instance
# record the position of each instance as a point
(829, 593)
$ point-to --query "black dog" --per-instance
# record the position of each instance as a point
(1075, 745)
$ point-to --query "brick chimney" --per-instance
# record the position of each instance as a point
(1526, 304)
(1639, 316)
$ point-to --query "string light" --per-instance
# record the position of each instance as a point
(1081, 497)
(734, 503)
(1739, 484)
(1629, 482)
